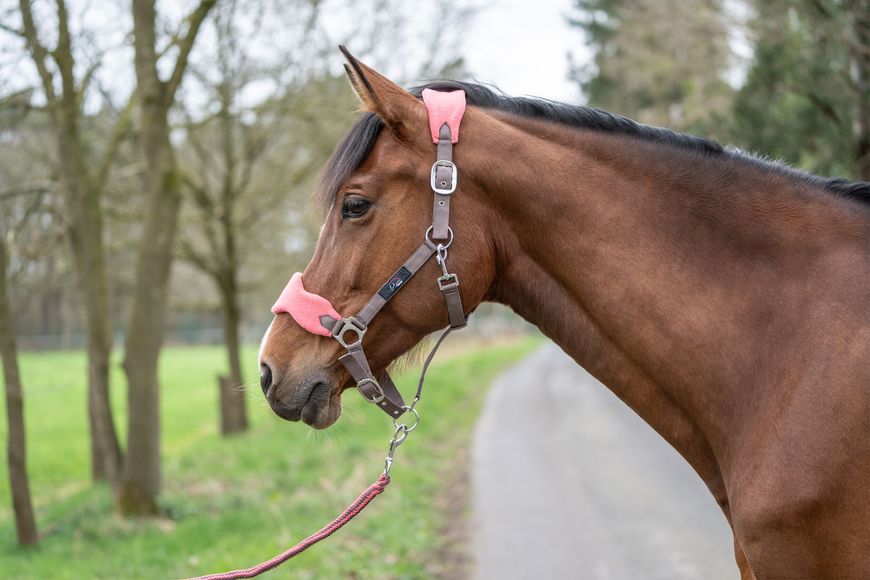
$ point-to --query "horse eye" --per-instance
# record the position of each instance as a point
(354, 207)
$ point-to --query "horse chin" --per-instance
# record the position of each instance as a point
(324, 416)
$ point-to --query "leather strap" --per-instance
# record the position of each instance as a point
(453, 300)
(444, 176)
(407, 270)
(381, 391)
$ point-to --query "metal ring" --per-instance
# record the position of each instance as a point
(404, 427)
(449, 237)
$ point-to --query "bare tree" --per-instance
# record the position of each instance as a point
(16, 449)
(140, 482)
(64, 94)
(18, 205)
(225, 152)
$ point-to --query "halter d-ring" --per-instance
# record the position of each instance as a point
(443, 246)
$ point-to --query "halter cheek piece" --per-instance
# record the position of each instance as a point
(317, 315)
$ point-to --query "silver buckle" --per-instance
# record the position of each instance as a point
(378, 398)
(447, 280)
(442, 187)
(346, 324)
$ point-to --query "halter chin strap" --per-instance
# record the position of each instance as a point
(316, 314)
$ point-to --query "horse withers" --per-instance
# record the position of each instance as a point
(724, 298)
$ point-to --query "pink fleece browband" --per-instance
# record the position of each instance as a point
(444, 108)
(305, 308)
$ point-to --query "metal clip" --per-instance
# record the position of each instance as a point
(399, 436)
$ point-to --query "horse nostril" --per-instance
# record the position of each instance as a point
(265, 377)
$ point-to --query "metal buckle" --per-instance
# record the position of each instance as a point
(346, 324)
(378, 398)
(447, 280)
(442, 187)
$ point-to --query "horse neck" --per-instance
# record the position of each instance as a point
(649, 265)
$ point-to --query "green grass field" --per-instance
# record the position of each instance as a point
(230, 503)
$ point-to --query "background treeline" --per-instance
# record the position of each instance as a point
(155, 159)
(788, 79)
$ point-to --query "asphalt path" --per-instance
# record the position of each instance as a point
(570, 483)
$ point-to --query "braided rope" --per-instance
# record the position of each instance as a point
(348, 514)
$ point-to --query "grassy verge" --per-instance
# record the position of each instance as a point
(230, 503)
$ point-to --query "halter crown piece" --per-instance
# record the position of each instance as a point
(316, 314)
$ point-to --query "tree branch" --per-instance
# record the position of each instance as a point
(111, 151)
(824, 107)
(38, 53)
(185, 45)
(29, 189)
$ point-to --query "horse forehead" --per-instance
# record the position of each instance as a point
(389, 158)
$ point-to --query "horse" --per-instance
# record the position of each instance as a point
(723, 297)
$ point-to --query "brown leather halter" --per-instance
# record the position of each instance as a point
(437, 239)
(317, 315)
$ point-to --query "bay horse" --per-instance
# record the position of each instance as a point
(724, 298)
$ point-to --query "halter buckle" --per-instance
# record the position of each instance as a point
(348, 324)
(379, 391)
(441, 186)
(447, 280)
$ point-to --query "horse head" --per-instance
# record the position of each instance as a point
(377, 190)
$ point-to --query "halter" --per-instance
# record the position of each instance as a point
(316, 314)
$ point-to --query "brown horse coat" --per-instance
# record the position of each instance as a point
(725, 299)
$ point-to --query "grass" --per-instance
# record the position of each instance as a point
(230, 503)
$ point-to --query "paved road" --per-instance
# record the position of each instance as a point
(570, 483)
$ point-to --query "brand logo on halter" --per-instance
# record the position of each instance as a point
(394, 283)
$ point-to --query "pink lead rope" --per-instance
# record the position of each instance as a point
(352, 510)
(311, 311)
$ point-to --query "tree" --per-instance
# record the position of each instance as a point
(663, 62)
(64, 94)
(803, 96)
(140, 483)
(22, 505)
(248, 163)
(859, 43)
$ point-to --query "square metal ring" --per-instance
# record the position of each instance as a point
(347, 324)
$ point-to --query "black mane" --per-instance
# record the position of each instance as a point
(359, 141)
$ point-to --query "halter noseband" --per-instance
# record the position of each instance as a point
(316, 314)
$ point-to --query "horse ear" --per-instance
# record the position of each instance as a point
(398, 109)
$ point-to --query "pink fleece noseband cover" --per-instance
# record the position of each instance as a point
(307, 308)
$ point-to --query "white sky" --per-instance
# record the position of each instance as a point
(521, 46)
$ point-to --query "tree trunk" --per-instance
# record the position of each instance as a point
(861, 70)
(25, 523)
(89, 253)
(140, 484)
(234, 417)
(85, 232)
(233, 413)
(141, 481)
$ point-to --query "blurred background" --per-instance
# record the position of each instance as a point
(155, 163)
